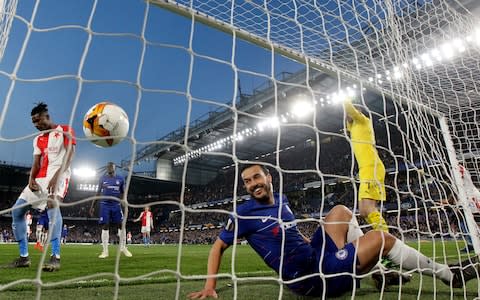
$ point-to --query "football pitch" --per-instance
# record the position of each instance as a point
(158, 273)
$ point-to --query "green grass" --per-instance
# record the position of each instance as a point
(151, 274)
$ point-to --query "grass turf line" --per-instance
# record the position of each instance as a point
(142, 278)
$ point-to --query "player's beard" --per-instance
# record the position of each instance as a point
(265, 198)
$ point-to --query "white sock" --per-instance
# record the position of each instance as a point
(38, 234)
(121, 239)
(411, 259)
(354, 232)
(105, 238)
(44, 237)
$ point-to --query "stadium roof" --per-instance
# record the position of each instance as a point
(361, 48)
(258, 108)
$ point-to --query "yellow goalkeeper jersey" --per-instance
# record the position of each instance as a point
(363, 138)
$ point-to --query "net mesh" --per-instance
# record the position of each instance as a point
(7, 11)
(411, 64)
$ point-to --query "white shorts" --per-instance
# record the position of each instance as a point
(38, 199)
(145, 229)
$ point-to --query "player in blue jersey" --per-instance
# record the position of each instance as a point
(111, 187)
(65, 231)
(337, 247)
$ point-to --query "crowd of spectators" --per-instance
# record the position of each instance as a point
(410, 207)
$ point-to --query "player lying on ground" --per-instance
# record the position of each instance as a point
(337, 246)
(53, 151)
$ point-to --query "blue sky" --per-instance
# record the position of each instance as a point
(57, 53)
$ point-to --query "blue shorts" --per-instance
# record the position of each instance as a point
(333, 261)
(43, 219)
(110, 213)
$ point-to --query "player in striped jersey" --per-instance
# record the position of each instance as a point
(53, 151)
(147, 224)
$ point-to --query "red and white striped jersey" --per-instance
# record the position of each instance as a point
(147, 218)
(52, 147)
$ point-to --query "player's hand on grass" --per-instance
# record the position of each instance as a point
(203, 294)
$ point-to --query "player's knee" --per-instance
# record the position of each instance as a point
(105, 227)
(381, 238)
(342, 210)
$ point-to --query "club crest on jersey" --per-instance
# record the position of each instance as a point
(117, 182)
(341, 254)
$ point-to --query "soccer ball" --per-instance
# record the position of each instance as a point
(105, 124)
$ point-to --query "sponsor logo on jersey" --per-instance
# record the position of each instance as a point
(230, 225)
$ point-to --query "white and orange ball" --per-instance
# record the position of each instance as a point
(105, 124)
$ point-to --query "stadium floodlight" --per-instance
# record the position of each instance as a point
(476, 36)
(302, 107)
(447, 50)
(273, 122)
(84, 172)
(397, 74)
(427, 60)
(436, 54)
(351, 92)
(459, 45)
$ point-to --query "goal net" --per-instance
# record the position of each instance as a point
(7, 11)
(210, 86)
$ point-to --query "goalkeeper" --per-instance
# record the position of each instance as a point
(370, 166)
(337, 249)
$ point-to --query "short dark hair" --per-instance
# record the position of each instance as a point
(41, 107)
(247, 166)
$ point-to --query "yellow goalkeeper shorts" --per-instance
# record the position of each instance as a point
(372, 183)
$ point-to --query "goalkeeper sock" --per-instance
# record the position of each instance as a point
(411, 259)
(105, 237)
(377, 221)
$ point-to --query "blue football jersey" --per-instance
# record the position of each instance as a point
(259, 224)
(111, 186)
